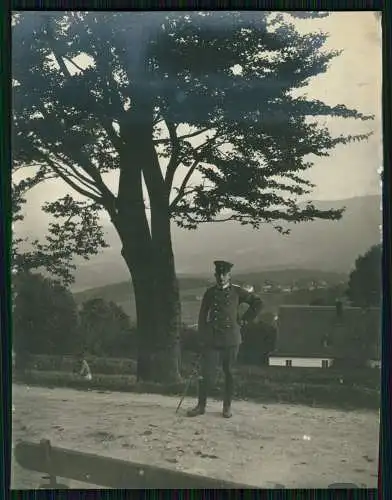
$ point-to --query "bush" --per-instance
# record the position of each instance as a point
(45, 317)
(259, 341)
(257, 378)
(108, 366)
(106, 329)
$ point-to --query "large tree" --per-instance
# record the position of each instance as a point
(202, 108)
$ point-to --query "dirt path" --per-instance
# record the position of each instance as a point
(261, 445)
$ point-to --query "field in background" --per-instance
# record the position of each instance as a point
(190, 302)
(192, 289)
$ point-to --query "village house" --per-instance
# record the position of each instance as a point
(320, 336)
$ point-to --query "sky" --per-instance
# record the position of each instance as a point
(353, 79)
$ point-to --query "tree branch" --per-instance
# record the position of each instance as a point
(195, 221)
(93, 172)
(222, 220)
(182, 137)
(181, 191)
(107, 126)
(61, 63)
(115, 140)
(79, 176)
(103, 192)
(66, 179)
(192, 168)
(174, 158)
(73, 63)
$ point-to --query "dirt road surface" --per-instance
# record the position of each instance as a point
(261, 445)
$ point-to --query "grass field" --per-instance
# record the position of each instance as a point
(195, 286)
(190, 305)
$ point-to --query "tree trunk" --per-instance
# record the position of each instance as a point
(168, 312)
(158, 313)
(137, 254)
(148, 255)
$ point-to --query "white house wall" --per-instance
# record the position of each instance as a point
(299, 362)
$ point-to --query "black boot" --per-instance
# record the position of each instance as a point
(196, 411)
(227, 411)
(200, 408)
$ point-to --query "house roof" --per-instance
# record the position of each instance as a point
(318, 331)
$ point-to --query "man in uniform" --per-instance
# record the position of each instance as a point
(219, 326)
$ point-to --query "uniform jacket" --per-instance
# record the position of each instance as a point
(219, 321)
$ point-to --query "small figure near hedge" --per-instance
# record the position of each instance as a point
(85, 370)
(219, 327)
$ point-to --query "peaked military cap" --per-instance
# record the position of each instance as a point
(222, 266)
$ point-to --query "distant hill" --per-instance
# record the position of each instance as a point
(322, 245)
(120, 292)
(192, 289)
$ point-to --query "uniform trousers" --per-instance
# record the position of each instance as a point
(211, 359)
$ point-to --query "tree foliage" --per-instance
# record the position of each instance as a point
(105, 328)
(45, 317)
(75, 231)
(259, 341)
(74, 121)
(365, 285)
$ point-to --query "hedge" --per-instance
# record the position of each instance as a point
(364, 377)
(107, 366)
(248, 387)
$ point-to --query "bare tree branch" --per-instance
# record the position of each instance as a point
(67, 179)
(86, 181)
(73, 63)
(94, 173)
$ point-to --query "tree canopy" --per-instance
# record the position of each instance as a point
(229, 77)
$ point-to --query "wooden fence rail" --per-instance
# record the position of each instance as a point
(109, 472)
(104, 471)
